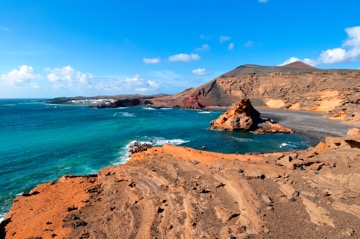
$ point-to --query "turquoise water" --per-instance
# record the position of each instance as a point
(41, 142)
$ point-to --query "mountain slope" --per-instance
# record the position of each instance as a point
(295, 86)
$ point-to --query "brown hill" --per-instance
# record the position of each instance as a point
(299, 64)
(295, 86)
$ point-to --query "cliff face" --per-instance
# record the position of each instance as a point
(296, 86)
(178, 192)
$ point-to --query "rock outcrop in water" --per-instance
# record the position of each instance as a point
(242, 116)
(178, 192)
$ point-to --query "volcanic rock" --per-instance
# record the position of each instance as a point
(296, 86)
(242, 116)
(137, 147)
(171, 197)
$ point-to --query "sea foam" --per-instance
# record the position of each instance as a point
(124, 114)
(243, 139)
(123, 154)
(2, 216)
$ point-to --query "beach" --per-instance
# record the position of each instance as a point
(314, 126)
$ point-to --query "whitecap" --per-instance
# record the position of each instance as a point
(121, 108)
(204, 112)
(89, 170)
(123, 154)
(124, 114)
(243, 139)
(166, 108)
(160, 142)
(149, 108)
(283, 145)
(9, 105)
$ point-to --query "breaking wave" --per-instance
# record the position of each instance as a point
(123, 154)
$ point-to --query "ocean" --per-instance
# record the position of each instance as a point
(41, 142)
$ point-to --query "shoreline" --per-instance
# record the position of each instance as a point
(299, 121)
(217, 193)
(311, 125)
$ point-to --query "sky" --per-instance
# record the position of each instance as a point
(53, 48)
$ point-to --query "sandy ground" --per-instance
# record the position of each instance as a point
(312, 125)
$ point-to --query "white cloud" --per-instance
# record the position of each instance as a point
(249, 44)
(151, 60)
(200, 72)
(231, 46)
(184, 57)
(24, 75)
(224, 39)
(204, 47)
(333, 56)
(263, 1)
(294, 59)
(353, 41)
(349, 51)
(67, 77)
(290, 60)
(128, 84)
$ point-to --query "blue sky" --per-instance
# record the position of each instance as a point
(51, 48)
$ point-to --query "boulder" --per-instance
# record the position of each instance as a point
(242, 116)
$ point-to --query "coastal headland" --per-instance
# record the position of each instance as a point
(180, 192)
(172, 191)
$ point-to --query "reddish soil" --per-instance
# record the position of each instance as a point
(178, 192)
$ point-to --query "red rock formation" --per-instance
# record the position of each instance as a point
(242, 116)
(296, 86)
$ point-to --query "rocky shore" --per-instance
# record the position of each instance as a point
(178, 192)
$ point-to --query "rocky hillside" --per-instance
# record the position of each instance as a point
(294, 86)
(178, 192)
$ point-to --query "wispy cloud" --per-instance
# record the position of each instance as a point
(6, 29)
(231, 46)
(151, 60)
(204, 37)
(69, 78)
(25, 75)
(128, 84)
(200, 71)
(224, 39)
(184, 57)
(249, 44)
(349, 50)
(263, 1)
(204, 47)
